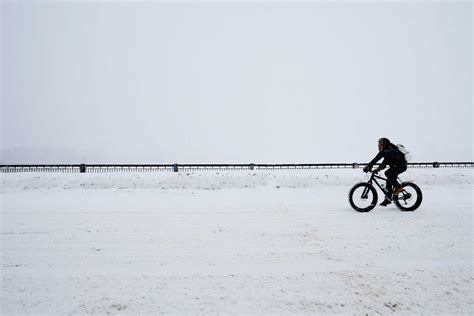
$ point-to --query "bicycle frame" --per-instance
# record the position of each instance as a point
(374, 178)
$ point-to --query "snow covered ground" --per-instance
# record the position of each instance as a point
(280, 242)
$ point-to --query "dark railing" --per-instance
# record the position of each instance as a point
(99, 168)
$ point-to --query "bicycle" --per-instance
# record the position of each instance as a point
(409, 199)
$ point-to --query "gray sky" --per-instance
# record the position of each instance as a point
(221, 82)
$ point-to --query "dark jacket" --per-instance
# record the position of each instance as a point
(391, 156)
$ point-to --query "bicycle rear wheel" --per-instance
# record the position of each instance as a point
(363, 197)
(410, 198)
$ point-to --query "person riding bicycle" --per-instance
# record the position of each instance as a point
(397, 163)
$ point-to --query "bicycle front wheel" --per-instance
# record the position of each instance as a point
(363, 197)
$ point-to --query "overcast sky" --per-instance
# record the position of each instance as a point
(235, 82)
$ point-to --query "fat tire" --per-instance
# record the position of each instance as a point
(419, 197)
(374, 199)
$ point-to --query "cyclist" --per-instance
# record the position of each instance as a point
(397, 163)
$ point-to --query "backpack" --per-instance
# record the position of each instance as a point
(405, 152)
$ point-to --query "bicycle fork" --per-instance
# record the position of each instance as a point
(365, 193)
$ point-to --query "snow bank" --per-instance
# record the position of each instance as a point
(213, 180)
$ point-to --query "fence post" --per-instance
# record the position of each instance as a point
(251, 166)
(82, 168)
(175, 167)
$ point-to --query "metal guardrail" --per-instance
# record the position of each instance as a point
(101, 168)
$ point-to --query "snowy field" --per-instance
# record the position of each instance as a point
(240, 242)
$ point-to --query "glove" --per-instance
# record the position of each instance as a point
(367, 168)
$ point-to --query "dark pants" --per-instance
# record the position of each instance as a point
(392, 174)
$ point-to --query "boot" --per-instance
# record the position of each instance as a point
(397, 191)
(385, 202)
